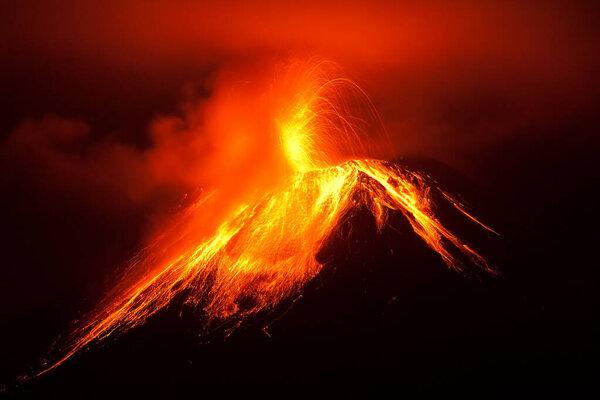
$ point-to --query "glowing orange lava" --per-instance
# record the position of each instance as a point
(263, 251)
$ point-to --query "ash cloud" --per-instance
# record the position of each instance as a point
(92, 113)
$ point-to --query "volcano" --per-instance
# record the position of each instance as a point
(267, 245)
(197, 203)
(384, 314)
(373, 279)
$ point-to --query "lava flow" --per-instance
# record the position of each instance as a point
(263, 248)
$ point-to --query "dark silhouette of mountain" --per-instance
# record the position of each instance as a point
(385, 316)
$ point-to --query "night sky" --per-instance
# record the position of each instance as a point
(112, 111)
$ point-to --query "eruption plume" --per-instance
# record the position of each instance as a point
(263, 248)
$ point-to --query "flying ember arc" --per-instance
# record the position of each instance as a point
(263, 248)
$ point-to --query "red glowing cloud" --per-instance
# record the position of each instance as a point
(129, 107)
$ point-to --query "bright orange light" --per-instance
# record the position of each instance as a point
(264, 249)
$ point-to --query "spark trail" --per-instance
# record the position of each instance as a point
(263, 251)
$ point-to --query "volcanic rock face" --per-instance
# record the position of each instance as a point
(266, 252)
(368, 269)
(384, 314)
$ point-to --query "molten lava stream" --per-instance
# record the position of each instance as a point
(263, 250)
